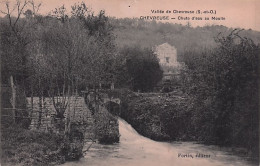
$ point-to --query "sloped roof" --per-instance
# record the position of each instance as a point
(166, 46)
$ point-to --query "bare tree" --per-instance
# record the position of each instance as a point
(15, 57)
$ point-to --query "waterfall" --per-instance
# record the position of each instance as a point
(136, 150)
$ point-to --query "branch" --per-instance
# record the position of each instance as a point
(34, 7)
(20, 10)
(9, 14)
(3, 12)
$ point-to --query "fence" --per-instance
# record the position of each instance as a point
(44, 118)
(31, 119)
(80, 118)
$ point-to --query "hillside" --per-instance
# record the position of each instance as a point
(131, 32)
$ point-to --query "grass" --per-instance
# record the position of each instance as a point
(25, 147)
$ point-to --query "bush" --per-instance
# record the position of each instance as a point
(25, 147)
(76, 143)
(156, 115)
(106, 127)
(223, 89)
(141, 70)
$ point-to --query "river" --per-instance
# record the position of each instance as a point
(136, 150)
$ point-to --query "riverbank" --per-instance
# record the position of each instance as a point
(135, 149)
(43, 144)
(32, 147)
(26, 147)
(159, 116)
(173, 117)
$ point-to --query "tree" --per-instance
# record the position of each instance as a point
(15, 40)
(142, 69)
(223, 87)
(73, 57)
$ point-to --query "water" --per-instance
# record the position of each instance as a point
(136, 150)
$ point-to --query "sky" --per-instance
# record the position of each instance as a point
(237, 13)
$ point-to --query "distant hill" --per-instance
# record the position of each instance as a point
(130, 32)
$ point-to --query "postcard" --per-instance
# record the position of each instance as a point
(130, 82)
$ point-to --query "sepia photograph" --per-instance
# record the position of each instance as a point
(129, 82)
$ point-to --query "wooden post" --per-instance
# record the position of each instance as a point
(31, 96)
(13, 102)
(112, 86)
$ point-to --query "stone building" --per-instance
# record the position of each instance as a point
(167, 56)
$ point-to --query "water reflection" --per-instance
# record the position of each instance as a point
(136, 150)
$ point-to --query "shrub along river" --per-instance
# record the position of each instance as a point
(136, 150)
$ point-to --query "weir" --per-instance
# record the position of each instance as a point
(134, 150)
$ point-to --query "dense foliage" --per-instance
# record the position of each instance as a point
(106, 127)
(219, 104)
(67, 48)
(46, 56)
(223, 85)
(24, 147)
(140, 70)
(157, 116)
(67, 51)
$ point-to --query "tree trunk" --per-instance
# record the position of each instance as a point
(68, 120)
(40, 105)
(31, 98)
(13, 102)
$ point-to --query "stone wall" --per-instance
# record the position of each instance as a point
(76, 110)
(82, 120)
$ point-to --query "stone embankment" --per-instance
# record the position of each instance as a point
(98, 126)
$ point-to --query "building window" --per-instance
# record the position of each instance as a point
(167, 59)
